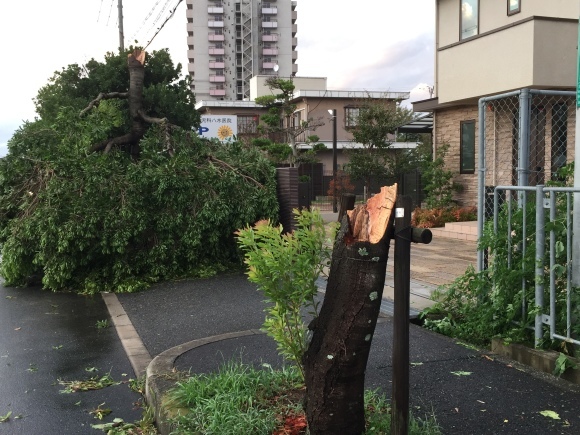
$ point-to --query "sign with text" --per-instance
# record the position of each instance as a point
(221, 127)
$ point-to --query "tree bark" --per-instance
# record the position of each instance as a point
(337, 355)
(139, 121)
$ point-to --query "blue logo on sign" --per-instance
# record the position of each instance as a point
(202, 130)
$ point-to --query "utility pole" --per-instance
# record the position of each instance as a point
(121, 35)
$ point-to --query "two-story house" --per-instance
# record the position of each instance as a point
(488, 47)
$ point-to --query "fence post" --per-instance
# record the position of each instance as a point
(481, 182)
(539, 275)
(524, 142)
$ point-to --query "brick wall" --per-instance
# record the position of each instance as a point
(447, 130)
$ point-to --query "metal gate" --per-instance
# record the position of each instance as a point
(525, 137)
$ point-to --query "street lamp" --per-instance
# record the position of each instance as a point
(334, 165)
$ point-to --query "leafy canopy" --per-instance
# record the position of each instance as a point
(91, 222)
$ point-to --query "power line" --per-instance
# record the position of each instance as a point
(165, 22)
(100, 7)
(145, 20)
(110, 9)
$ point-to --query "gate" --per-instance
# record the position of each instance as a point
(525, 137)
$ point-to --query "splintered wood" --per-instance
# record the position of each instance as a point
(368, 222)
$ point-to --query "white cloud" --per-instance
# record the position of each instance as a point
(367, 46)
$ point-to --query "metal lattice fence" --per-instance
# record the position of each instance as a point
(526, 137)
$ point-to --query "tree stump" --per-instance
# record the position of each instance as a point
(336, 359)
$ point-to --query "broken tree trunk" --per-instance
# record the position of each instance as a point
(336, 359)
(139, 119)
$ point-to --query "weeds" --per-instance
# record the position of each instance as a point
(102, 324)
(240, 399)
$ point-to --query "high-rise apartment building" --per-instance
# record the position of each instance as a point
(230, 41)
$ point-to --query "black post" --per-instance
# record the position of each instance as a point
(347, 201)
(334, 161)
(402, 276)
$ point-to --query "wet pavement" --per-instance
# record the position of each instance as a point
(46, 337)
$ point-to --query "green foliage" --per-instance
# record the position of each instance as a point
(238, 399)
(285, 267)
(563, 363)
(165, 94)
(104, 222)
(482, 305)
(374, 127)
(438, 181)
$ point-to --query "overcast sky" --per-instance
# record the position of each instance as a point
(372, 45)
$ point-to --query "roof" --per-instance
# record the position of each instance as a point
(228, 103)
(423, 124)
(352, 94)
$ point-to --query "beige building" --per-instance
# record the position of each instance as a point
(230, 41)
(313, 102)
(489, 47)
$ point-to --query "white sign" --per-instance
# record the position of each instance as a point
(221, 127)
(399, 212)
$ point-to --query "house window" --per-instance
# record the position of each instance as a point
(559, 137)
(247, 123)
(467, 147)
(513, 6)
(351, 116)
(469, 18)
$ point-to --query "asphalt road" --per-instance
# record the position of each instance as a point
(46, 337)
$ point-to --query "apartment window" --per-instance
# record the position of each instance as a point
(467, 147)
(469, 18)
(247, 123)
(514, 6)
(351, 116)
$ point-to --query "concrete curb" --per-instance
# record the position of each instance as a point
(541, 360)
(136, 351)
(161, 376)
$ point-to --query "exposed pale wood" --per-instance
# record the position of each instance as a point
(369, 221)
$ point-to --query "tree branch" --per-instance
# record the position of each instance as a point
(150, 119)
(230, 167)
(106, 145)
(103, 96)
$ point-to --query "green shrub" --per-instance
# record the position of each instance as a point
(91, 223)
(286, 267)
(438, 217)
(482, 305)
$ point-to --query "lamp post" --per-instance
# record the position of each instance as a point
(334, 164)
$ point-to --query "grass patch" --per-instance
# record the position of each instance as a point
(241, 399)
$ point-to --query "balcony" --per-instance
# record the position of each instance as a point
(217, 92)
(217, 65)
(215, 10)
(269, 24)
(214, 37)
(294, 55)
(294, 43)
(269, 65)
(215, 24)
(270, 11)
(217, 79)
(217, 51)
(294, 30)
(190, 40)
(270, 38)
(270, 51)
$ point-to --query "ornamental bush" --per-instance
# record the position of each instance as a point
(103, 222)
